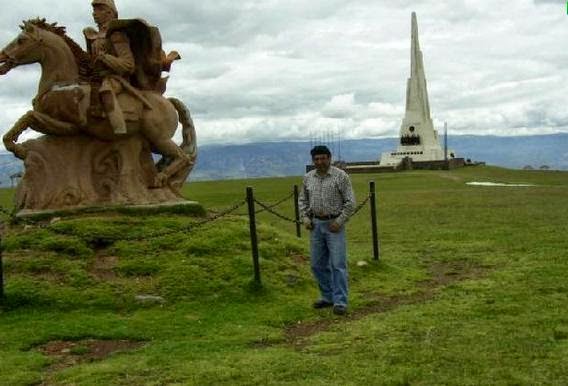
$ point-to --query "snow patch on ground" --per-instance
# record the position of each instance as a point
(474, 183)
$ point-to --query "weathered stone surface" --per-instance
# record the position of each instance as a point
(77, 171)
(102, 112)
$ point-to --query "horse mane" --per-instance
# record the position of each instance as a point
(81, 57)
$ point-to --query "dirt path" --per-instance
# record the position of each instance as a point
(441, 275)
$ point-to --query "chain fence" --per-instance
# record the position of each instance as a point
(214, 216)
(270, 210)
(361, 205)
(188, 228)
(278, 203)
(369, 199)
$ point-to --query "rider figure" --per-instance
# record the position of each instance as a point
(113, 60)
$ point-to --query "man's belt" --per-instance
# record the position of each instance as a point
(326, 217)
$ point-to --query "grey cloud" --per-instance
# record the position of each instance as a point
(228, 23)
(212, 72)
(20, 84)
(262, 70)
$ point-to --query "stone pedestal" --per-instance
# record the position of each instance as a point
(79, 171)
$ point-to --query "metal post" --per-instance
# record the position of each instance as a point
(297, 211)
(372, 195)
(253, 238)
(447, 163)
(446, 141)
(1, 272)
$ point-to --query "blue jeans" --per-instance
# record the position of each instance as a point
(329, 262)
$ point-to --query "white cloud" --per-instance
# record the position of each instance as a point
(274, 69)
(340, 106)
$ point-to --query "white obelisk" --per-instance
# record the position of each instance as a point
(418, 139)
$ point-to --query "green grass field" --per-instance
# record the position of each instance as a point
(471, 289)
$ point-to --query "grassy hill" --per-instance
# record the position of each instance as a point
(471, 289)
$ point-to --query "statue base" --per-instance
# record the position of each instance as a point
(188, 208)
(81, 172)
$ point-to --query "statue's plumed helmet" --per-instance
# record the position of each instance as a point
(108, 3)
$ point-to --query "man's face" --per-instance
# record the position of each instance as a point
(321, 162)
(102, 14)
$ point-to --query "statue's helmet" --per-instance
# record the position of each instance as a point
(108, 3)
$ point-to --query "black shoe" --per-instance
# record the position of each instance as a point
(339, 309)
(322, 303)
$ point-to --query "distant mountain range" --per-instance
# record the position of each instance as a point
(271, 159)
(289, 158)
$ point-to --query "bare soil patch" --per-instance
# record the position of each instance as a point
(442, 274)
(300, 259)
(70, 353)
(103, 267)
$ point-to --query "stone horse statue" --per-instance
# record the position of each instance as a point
(62, 108)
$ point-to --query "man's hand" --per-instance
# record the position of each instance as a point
(308, 224)
(100, 58)
(100, 62)
(334, 227)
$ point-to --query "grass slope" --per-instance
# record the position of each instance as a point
(471, 289)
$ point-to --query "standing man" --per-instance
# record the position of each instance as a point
(326, 203)
(113, 59)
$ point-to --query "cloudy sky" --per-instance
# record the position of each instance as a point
(257, 70)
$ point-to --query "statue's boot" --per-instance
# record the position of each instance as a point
(114, 113)
(117, 122)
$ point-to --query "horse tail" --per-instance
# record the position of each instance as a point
(189, 139)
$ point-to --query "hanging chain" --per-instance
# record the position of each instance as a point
(276, 203)
(272, 211)
(361, 205)
(196, 225)
(189, 227)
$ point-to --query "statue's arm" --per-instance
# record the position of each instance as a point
(90, 33)
(123, 63)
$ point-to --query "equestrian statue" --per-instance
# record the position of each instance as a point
(103, 114)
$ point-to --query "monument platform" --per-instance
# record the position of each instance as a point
(368, 167)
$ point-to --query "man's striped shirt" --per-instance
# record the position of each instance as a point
(327, 195)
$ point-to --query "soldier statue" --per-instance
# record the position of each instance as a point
(112, 59)
(116, 67)
(110, 94)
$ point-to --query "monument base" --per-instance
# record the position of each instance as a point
(372, 167)
(80, 172)
(417, 153)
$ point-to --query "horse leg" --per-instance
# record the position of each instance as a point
(39, 122)
(11, 137)
(45, 124)
(167, 148)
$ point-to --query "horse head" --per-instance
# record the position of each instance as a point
(23, 49)
(45, 43)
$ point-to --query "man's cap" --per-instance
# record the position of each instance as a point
(108, 3)
(320, 149)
